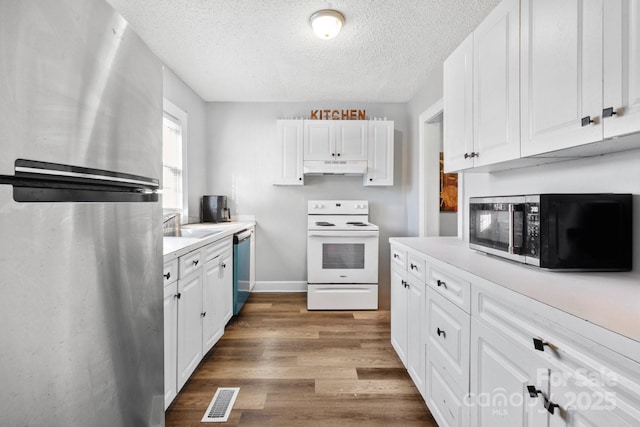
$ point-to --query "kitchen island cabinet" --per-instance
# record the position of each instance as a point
(541, 350)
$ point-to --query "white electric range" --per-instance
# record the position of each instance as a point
(342, 256)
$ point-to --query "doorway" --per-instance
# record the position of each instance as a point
(434, 221)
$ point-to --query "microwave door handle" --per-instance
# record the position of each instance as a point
(511, 230)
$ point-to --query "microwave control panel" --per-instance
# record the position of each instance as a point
(532, 224)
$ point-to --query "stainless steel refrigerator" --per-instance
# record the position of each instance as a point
(81, 339)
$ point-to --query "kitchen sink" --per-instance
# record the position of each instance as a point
(190, 232)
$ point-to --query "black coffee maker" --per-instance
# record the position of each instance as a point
(214, 209)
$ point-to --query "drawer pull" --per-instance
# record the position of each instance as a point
(441, 333)
(405, 284)
(586, 121)
(178, 295)
(396, 256)
(196, 261)
(441, 283)
(538, 344)
(224, 265)
(550, 406)
(533, 392)
(167, 276)
(203, 314)
(413, 266)
(608, 112)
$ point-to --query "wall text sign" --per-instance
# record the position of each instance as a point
(338, 115)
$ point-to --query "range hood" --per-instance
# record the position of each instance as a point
(335, 167)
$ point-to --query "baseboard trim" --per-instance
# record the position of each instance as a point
(279, 286)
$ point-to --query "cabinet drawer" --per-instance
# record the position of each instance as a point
(191, 262)
(399, 257)
(566, 352)
(445, 402)
(448, 335)
(218, 248)
(417, 266)
(454, 289)
(170, 272)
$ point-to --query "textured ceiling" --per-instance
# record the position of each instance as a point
(265, 50)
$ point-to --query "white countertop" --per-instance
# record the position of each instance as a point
(174, 247)
(610, 300)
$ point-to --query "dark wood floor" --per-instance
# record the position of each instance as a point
(301, 368)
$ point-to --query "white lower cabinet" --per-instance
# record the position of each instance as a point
(500, 375)
(399, 296)
(170, 331)
(415, 332)
(196, 309)
(189, 325)
(496, 358)
(407, 321)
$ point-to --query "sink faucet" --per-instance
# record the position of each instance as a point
(171, 222)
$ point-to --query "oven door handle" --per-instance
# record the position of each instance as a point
(343, 234)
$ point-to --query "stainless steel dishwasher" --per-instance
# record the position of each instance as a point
(241, 268)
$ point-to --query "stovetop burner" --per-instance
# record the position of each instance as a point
(324, 224)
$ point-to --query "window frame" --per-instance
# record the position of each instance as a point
(175, 113)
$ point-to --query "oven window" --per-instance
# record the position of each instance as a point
(342, 256)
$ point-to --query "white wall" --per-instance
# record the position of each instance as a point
(240, 165)
(176, 91)
(613, 173)
(424, 98)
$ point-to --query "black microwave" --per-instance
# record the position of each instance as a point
(580, 232)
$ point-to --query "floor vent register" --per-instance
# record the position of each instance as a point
(221, 405)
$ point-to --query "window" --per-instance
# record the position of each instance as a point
(174, 132)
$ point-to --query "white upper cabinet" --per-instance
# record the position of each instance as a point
(543, 78)
(580, 73)
(622, 67)
(561, 74)
(380, 153)
(496, 85)
(289, 146)
(335, 140)
(319, 139)
(458, 112)
(334, 146)
(351, 140)
(481, 93)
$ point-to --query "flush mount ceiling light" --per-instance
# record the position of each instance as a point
(327, 23)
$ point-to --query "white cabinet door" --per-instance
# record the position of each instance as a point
(621, 67)
(226, 288)
(399, 297)
(351, 140)
(561, 59)
(501, 370)
(458, 108)
(319, 140)
(289, 149)
(415, 333)
(189, 325)
(380, 153)
(448, 338)
(170, 343)
(211, 316)
(496, 86)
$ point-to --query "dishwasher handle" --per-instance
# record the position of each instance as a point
(242, 236)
